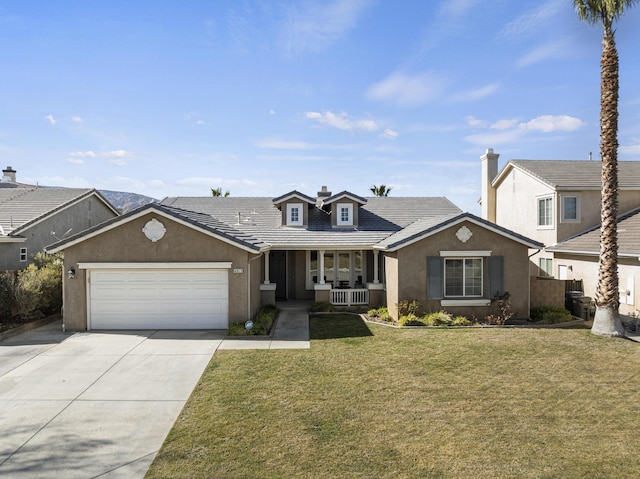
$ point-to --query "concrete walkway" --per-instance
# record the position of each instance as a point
(100, 404)
(291, 331)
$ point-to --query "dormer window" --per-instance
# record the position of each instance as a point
(345, 214)
(294, 214)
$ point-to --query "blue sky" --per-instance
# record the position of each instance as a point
(259, 97)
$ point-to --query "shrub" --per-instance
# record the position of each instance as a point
(501, 305)
(438, 318)
(461, 321)
(406, 307)
(7, 296)
(380, 314)
(262, 323)
(550, 315)
(322, 307)
(410, 320)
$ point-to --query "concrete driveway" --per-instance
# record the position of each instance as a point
(89, 405)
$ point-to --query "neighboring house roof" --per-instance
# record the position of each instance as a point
(588, 242)
(425, 227)
(203, 222)
(573, 174)
(21, 208)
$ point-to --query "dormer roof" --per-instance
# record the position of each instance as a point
(293, 195)
(342, 195)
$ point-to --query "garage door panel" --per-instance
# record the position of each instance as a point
(159, 299)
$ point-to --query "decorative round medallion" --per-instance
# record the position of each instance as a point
(154, 230)
(464, 234)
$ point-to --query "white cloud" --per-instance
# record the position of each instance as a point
(272, 112)
(209, 181)
(51, 119)
(490, 138)
(156, 184)
(475, 122)
(543, 52)
(313, 26)
(550, 123)
(276, 144)
(341, 121)
(530, 22)
(76, 119)
(389, 134)
(456, 8)
(475, 95)
(504, 124)
(630, 149)
(407, 90)
(75, 161)
(116, 154)
(117, 162)
(82, 154)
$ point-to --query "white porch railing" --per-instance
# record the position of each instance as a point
(349, 297)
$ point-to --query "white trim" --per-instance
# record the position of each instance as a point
(12, 239)
(149, 211)
(339, 220)
(464, 254)
(563, 219)
(300, 221)
(203, 265)
(465, 302)
(553, 212)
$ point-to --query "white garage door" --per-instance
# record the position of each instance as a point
(159, 299)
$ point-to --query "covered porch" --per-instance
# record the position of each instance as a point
(340, 277)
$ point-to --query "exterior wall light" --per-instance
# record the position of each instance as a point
(71, 273)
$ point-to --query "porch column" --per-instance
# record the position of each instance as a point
(321, 266)
(266, 267)
(375, 266)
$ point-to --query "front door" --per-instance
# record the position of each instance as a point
(278, 273)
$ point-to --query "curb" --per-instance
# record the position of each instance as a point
(29, 326)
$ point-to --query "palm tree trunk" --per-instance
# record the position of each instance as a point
(607, 320)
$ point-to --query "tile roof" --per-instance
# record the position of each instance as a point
(575, 174)
(588, 242)
(258, 217)
(21, 207)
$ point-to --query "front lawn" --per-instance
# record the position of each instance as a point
(367, 401)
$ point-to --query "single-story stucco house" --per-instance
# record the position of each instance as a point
(205, 262)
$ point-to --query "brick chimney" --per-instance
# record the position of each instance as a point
(9, 174)
(489, 172)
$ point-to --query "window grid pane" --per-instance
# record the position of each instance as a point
(545, 213)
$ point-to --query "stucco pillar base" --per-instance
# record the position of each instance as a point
(322, 293)
(376, 294)
(267, 294)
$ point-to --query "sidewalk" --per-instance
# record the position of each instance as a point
(291, 331)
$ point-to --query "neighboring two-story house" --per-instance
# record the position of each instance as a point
(32, 217)
(557, 202)
(203, 262)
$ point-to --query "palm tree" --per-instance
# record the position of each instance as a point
(218, 192)
(381, 190)
(605, 12)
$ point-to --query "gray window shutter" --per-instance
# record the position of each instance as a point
(496, 275)
(435, 277)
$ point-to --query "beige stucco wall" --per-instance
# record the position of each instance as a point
(127, 243)
(410, 267)
(586, 269)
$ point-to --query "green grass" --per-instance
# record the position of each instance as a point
(368, 401)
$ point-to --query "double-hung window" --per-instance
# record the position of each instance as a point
(545, 211)
(463, 277)
(23, 255)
